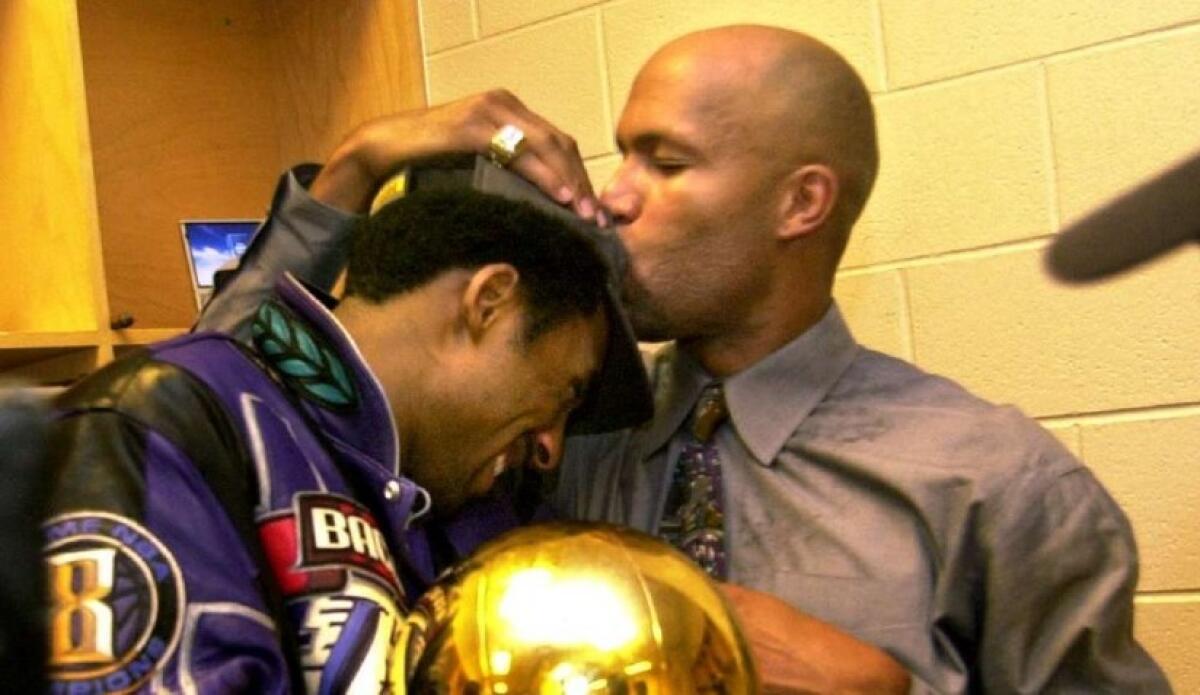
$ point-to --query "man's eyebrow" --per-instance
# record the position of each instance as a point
(642, 140)
(649, 141)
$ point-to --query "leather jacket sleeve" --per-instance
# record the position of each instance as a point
(149, 543)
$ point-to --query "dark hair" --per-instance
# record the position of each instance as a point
(416, 238)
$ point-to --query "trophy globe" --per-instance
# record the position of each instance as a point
(574, 609)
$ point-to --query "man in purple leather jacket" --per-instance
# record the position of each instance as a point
(256, 518)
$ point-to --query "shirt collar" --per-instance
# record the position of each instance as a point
(296, 333)
(766, 401)
(678, 381)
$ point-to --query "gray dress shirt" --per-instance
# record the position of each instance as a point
(957, 535)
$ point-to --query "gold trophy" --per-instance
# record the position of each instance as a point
(574, 609)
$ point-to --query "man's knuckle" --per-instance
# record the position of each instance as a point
(498, 97)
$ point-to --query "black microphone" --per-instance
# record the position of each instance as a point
(1140, 224)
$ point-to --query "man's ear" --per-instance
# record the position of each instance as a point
(810, 194)
(490, 292)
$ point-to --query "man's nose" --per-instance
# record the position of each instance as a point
(620, 196)
(548, 446)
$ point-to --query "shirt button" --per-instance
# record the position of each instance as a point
(392, 490)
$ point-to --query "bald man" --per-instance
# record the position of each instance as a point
(954, 544)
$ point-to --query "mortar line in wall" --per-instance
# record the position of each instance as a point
(1076, 431)
(597, 159)
(1123, 415)
(424, 50)
(1169, 596)
(1052, 181)
(881, 54)
(515, 31)
(605, 77)
(973, 253)
(1115, 42)
(476, 26)
(1077, 438)
(909, 336)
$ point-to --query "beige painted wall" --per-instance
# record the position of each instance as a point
(1000, 120)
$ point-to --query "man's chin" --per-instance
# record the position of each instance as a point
(451, 504)
(455, 507)
(649, 330)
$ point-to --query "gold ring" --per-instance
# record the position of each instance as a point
(506, 144)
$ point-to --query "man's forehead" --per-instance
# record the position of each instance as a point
(675, 76)
(589, 356)
(598, 329)
(580, 339)
(687, 98)
(681, 116)
(722, 60)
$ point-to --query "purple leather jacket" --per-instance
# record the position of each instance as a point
(232, 518)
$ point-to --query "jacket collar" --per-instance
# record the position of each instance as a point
(768, 400)
(296, 334)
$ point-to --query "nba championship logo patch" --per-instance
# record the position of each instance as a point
(116, 603)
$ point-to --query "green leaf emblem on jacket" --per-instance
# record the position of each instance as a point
(302, 358)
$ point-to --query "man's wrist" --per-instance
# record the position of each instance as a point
(345, 182)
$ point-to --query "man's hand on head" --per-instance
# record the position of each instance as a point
(363, 161)
(796, 653)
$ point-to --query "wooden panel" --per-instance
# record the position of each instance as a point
(196, 108)
(342, 63)
(10, 342)
(50, 261)
(182, 120)
(192, 110)
(52, 367)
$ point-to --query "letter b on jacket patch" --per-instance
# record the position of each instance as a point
(115, 602)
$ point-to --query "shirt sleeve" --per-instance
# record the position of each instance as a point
(151, 587)
(301, 235)
(1057, 591)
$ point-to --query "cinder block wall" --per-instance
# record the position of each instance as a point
(1000, 120)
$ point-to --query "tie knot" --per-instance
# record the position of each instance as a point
(709, 413)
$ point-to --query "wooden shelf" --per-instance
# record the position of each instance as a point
(17, 361)
(33, 340)
(130, 339)
(51, 358)
(144, 336)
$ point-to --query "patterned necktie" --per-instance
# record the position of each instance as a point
(694, 516)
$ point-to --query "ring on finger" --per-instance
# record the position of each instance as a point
(506, 144)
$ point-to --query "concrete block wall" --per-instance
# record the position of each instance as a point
(1000, 120)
